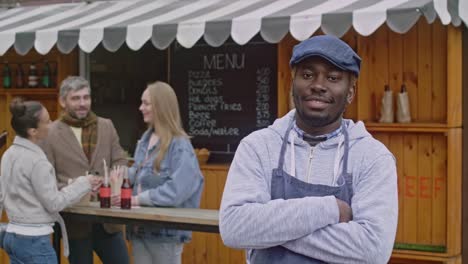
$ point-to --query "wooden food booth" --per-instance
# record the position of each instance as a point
(422, 44)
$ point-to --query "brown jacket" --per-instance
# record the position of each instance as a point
(66, 155)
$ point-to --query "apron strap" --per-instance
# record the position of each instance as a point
(347, 177)
(346, 148)
(284, 145)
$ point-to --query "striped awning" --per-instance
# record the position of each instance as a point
(134, 22)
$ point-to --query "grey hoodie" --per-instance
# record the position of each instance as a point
(250, 219)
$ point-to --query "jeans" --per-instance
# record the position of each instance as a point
(110, 248)
(29, 249)
(149, 252)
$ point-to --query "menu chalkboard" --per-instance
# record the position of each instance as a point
(226, 92)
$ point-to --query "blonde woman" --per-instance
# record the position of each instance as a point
(165, 174)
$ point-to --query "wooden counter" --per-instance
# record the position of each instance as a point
(177, 218)
(203, 220)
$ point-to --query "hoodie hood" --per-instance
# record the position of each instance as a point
(356, 130)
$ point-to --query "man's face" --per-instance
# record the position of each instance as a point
(77, 103)
(321, 92)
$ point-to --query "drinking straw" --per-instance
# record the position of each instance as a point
(106, 176)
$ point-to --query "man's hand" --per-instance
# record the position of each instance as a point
(346, 214)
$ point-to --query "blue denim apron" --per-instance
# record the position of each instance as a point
(285, 186)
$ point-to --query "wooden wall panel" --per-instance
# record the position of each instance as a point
(439, 195)
(422, 186)
(439, 72)
(424, 73)
(410, 69)
(396, 147)
(424, 178)
(383, 137)
(410, 188)
(209, 248)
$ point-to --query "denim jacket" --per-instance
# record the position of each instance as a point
(178, 183)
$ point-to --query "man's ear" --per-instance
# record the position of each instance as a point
(351, 90)
(351, 93)
(62, 102)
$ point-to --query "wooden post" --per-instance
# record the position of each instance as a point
(464, 71)
(284, 73)
(454, 183)
(454, 76)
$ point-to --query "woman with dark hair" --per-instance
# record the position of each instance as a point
(28, 188)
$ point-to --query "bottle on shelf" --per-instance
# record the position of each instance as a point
(403, 107)
(386, 110)
(6, 76)
(19, 76)
(33, 79)
(46, 75)
(126, 192)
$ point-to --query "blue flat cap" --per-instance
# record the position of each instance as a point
(331, 48)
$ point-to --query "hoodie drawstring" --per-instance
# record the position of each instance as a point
(293, 157)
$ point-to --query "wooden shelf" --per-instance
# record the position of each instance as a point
(26, 91)
(421, 256)
(408, 127)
